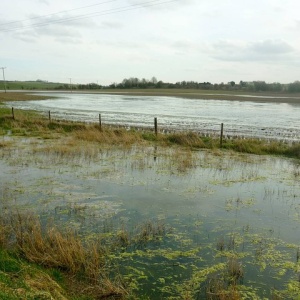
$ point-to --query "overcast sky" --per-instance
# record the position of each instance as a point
(200, 40)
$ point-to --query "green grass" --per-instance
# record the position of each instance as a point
(21, 280)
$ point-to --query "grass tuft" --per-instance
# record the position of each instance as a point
(82, 263)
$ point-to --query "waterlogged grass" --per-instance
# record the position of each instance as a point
(114, 213)
(159, 222)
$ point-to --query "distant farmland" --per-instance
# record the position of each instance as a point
(33, 85)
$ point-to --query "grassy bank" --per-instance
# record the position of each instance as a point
(28, 123)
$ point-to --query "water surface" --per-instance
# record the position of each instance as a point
(249, 203)
(240, 118)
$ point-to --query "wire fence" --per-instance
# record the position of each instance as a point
(157, 125)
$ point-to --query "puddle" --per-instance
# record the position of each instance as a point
(207, 209)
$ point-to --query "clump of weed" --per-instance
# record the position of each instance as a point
(108, 136)
(4, 144)
(69, 148)
(149, 136)
(149, 231)
(221, 244)
(189, 139)
(66, 126)
(261, 147)
(63, 250)
(235, 270)
(244, 145)
(123, 238)
(275, 295)
(4, 233)
(293, 151)
(217, 289)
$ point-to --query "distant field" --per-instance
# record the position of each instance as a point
(208, 94)
(29, 85)
(239, 95)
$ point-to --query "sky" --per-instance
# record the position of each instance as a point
(108, 40)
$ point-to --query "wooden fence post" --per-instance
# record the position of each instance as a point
(49, 115)
(100, 122)
(221, 136)
(155, 126)
(13, 113)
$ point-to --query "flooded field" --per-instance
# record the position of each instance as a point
(268, 120)
(189, 222)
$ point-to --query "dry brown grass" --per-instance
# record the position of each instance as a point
(53, 248)
(184, 160)
(5, 144)
(4, 234)
(188, 139)
(62, 250)
(108, 136)
(69, 148)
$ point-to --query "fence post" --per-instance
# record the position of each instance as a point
(221, 136)
(49, 116)
(13, 113)
(100, 122)
(155, 126)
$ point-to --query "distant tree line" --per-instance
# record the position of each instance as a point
(253, 86)
(136, 83)
(88, 86)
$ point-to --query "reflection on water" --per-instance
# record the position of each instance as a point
(209, 207)
(241, 118)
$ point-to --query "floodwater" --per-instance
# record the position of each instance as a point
(249, 204)
(241, 118)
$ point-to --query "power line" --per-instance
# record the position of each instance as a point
(84, 16)
(57, 13)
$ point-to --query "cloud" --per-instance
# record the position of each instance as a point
(63, 28)
(111, 25)
(266, 50)
(63, 20)
(273, 47)
(160, 5)
(44, 2)
(25, 36)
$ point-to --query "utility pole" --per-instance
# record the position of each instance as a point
(4, 78)
(71, 84)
